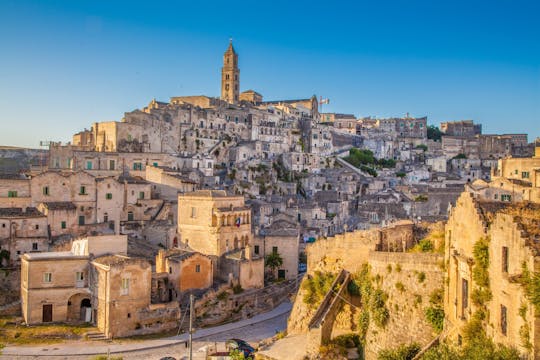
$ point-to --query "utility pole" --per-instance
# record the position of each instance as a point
(190, 326)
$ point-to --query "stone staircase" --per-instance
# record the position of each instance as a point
(96, 336)
(320, 326)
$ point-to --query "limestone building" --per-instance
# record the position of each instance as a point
(218, 225)
(508, 234)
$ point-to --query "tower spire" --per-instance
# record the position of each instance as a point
(230, 76)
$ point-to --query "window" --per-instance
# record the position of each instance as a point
(504, 259)
(130, 215)
(193, 212)
(79, 276)
(197, 268)
(47, 277)
(105, 217)
(503, 320)
(274, 249)
(256, 249)
(525, 174)
(155, 164)
(82, 190)
(89, 165)
(12, 194)
(63, 224)
(108, 196)
(137, 166)
(81, 220)
(464, 296)
(34, 246)
(111, 165)
(124, 290)
(141, 195)
(506, 197)
(170, 270)
(45, 190)
(37, 227)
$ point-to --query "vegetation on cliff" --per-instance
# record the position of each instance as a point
(317, 286)
(434, 312)
(373, 301)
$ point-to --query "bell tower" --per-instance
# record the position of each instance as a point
(230, 76)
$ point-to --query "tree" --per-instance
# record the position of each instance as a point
(434, 133)
(273, 261)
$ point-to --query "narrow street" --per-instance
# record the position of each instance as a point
(252, 330)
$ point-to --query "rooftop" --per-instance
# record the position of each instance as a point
(60, 205)
(206, 193)
(18, 212)
(59, 255)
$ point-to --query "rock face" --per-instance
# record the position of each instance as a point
(407, 280)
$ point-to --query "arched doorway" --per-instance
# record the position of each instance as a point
(79, 308)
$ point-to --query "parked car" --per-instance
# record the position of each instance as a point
(302, 267)
(244, 347)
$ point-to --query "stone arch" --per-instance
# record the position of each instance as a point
(79, 307)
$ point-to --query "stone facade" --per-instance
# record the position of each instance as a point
(508, 231)
(54, 287)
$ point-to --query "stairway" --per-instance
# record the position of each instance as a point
(96, 336)
(320, 326)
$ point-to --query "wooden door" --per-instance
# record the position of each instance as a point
(47, 313)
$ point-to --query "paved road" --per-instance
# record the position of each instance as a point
(253, 330)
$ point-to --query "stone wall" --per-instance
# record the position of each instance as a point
(10, 280)
(407, 322)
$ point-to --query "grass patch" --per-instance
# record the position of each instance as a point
(11, 333)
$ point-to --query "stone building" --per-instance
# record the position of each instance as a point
(14, 191)
(230, 76)
(121, 288)
(282, 237)
(94, 282)
(185, 270)
(461, 128)
(54, 287)
(512, 180)
(251, 96)
(218, 225)
(23, 231)
(453, 146)
(508, 234)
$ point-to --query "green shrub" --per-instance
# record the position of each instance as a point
(435, 317)
(424, 245)
(223, 295)
(237, 289)
(400, 287)
(402, 352)
(531, 283)
(317, 286)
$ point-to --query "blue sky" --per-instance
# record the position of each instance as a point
(67, 64)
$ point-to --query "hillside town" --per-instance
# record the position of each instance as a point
(384, 234)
